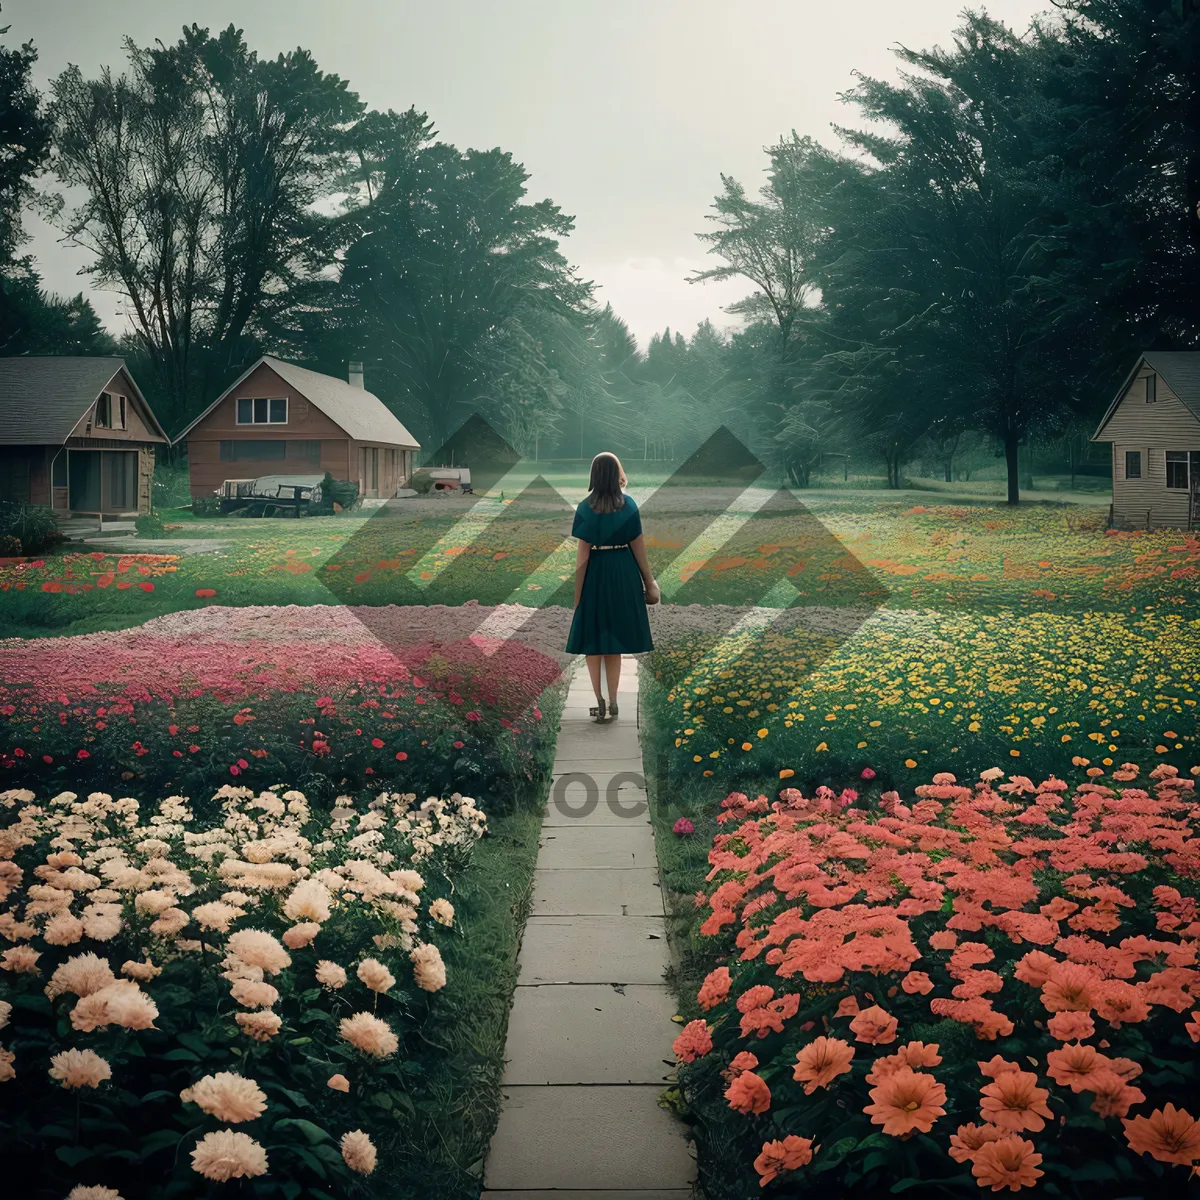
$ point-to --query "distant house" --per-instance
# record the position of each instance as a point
(1154, 427)
(282, 419)
(76, 434)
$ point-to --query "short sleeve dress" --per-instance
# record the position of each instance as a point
(611, 615)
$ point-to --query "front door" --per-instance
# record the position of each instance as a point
(102, 481)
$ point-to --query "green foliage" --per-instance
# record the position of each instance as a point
(342, 492)
(151, 525)
(32, 525)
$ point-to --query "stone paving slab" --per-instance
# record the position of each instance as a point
(588, 1138)
(629, 806)
(591, 949)
(585, 848)
(590, 1033)
(626, 893)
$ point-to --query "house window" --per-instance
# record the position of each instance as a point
(1151, 388)
(110, 411)
(241, 451)
(1133, 464)
(308, 452)
(262, 411)
(1177, 469)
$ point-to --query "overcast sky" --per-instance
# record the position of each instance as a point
(624, 112)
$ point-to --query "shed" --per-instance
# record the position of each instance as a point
(1153, 424)
(279, 418)
(76, 434)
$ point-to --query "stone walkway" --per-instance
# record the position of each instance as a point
(589, 1036)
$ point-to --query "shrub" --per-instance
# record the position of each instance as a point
(984, 987)
(342, 492)
(256, 992)
(151, 525)
(206, 506)
(33, 526)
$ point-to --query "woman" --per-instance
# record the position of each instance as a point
(613, 583)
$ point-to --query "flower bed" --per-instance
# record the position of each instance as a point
(256, 1000)
(986, 987)
(963, 688)
(256, 694)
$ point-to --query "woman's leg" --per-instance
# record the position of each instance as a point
(593, 666)
(612, 668)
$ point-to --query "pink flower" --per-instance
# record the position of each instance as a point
(683, 826)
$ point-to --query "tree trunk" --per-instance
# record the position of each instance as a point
(1012, 468)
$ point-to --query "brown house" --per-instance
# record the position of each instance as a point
(282, 419)
(1153, 424)
(76, 434)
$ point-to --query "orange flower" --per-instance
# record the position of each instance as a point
(1069, 988)
(748, 1093)
(907, 1100)
(1114, 1097)
(788, 1155)
(874, 1026)
(969, 1138)
(944, 939)
(997, 1066)
(821, 1062)
(1193, 1027)
(1120, 1003)
(847, 1008)
(1169, 1134)
(1008, 1162)
(694, 1042)
(1071, 1026)
(911, 1054)
(1014, 1101)
(742, 1061)
(917, 983)
(715, 988)
(1076, 1067)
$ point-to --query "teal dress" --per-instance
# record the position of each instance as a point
(611, 615)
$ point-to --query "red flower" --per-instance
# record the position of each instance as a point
(867, 773)
(377, 743)
(401, 756)
(474, 716)
(206, 593)
(83, 754)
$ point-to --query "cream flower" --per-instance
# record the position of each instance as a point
(143, 972)
(82, 1192)
(375, 975)
(22, 960)
(309, 901)
(442, 911)
(79, 1068)
(358, 1152)
(80, 975)
(261, 1026)
(257, 948)
(227, 1096)
(370, 1034)
(227, 1154)
(216, 915)
(339, 1083)
(428, 969)
(121, 1003)
(6, 1065)
(5, 1013)
(330, 975)
(63, 929)
(299, 936)
(252, 993)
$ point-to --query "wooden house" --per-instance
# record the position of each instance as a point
(76, 434)
(1153, 424)
(282, 419)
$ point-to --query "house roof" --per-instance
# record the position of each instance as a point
(43, 398)
(1180, 369)
(360, 413)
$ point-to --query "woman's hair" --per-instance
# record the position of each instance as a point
(604, 486)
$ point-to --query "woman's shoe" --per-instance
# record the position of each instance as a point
(599, 711)
(613, 711)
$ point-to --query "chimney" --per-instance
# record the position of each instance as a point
(356, 375)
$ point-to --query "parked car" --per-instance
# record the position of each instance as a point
(271, 495)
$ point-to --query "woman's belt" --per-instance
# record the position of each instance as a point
(622, 546)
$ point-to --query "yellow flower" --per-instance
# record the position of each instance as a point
(747, 746)
(910, 762)
(786, 773)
